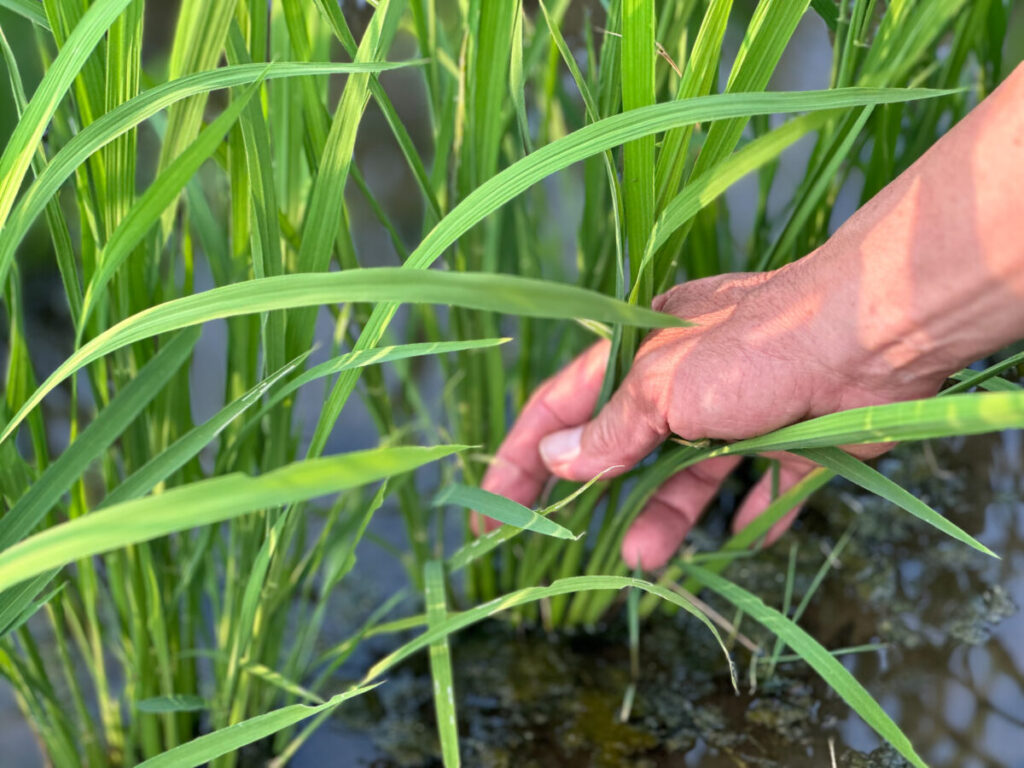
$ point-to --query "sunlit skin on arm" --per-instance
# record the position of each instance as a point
(924, 279)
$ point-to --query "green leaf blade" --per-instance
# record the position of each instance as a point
(858, 472)
(204, 503)
(501, 509)
(967, 414)
(441, 665)
(210, 746)
(485, 291)
(831, 670)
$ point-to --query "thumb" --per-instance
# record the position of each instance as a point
(627, 429)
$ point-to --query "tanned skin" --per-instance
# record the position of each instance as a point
(924, 279)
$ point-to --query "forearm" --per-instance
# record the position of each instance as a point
(929, 275)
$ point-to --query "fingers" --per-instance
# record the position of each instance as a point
(792, 469)
(563, 401)
(675, 508)
(629, 427)
(656, 534)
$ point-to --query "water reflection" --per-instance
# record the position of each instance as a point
(959, 694)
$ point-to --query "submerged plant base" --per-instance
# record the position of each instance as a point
(532, 701)
(526, 698)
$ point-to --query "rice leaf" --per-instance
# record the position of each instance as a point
(479, 546)
(244, 624)
(341, 652)
(174, 456)
(501, 509)
(331, 11)
(199, 34)
(457, 621)
(204, 748)
(345, 555)
(579, 145)
(441, 665)
(276, 679)
(157, 197)
(203, 503)
(18, 604)
(375, 356)
(811, 651)
(131, 113)
(516, 77)
(968, 379)
(321, 222)
(872, 480)
(828, 11)
(499, 293)
(618, 129)
(28, 132)
(698, 80)
(108, 425)
(770, 30)
(28, 9)
(488, 86)
(830, 562)
(967, 414)
(702, 190)
(638, 57)
(739, 542)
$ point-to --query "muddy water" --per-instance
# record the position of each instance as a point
(951, 674)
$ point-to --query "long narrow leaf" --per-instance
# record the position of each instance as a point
(968, 379)
(872, 480)
(191, 443)
(501, 509)
(638, 57)
(376, 356)
(131, 113)
(94, 440)
(205, 748)
(579, 145)
(457, 621)
(910, 420)
(164, 190)
(28, 132)
(811, 651)
(499, 293)
(441, 665)
(29, 9)
(701, 191)
(204, 503)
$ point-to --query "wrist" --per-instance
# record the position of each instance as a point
(927, 276)
(867, 338)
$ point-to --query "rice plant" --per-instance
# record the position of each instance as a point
(163, 576)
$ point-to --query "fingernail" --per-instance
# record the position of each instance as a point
(561, 447)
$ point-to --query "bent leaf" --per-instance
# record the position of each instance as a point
(969, 414)
(457, 621)
(872, 480)
(131, 113)
(201, 750)
(492, 292)
(204, 503)
(501, 509)
(90, 445)
(811, 651)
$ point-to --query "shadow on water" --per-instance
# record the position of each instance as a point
(951, 674)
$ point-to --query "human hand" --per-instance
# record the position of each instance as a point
(763, 354)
